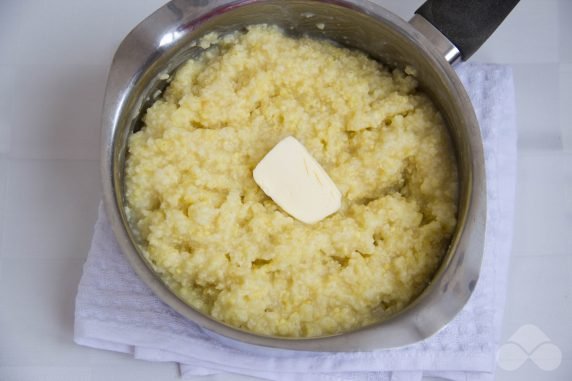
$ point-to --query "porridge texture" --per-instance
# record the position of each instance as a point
(227, 249)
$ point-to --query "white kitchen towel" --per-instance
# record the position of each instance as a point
(116, 311)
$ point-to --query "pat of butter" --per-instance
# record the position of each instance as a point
(290, 176)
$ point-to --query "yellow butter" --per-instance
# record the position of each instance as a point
(291, 177)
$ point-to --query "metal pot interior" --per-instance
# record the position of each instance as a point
(164, 43)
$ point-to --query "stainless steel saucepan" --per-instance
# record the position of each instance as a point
(441, 33)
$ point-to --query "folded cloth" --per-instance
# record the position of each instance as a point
(116, 311)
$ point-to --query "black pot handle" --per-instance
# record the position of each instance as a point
(466, 23)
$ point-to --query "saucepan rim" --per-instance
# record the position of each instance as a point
(425, 316)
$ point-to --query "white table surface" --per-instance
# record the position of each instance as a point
(54, 57)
